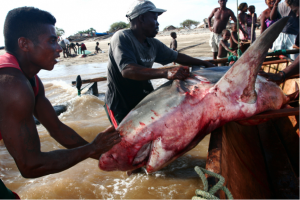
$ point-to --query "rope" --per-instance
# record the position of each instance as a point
(204, 194)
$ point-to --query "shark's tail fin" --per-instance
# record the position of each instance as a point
(240, 78)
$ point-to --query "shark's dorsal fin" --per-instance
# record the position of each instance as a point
(240, 78)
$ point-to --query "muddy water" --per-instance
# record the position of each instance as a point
(85, 180)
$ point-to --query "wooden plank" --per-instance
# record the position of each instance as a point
(91, 80)
(275, 62)
(243, 165)
(283, 180)
(275, 114)
(213, 161)
(288, 132)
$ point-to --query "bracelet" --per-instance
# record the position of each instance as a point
(284, 75)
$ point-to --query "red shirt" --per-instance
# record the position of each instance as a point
(8, 60)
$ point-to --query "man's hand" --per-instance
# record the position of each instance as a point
(104, 141)
(277, 78)
(180, 73)
(211, 29)
(295, 46)
(277, 2)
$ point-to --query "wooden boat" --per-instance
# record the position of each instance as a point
(258, 161)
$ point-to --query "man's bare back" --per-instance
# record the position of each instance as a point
(222, 16)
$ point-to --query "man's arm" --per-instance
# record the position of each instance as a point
(274, 13)
(21, 137)
(291, 70)
(209, 20)
(45, 113)
(136, 72)
(187, 60)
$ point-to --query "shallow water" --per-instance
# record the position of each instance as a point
(85, 180)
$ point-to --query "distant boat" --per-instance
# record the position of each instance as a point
(100, 34)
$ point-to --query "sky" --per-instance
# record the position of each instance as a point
(78, 15)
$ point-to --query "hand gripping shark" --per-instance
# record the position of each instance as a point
(178, 115)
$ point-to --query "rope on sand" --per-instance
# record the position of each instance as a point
(210, 194)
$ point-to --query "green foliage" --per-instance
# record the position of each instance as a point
(59, 31)
(118, 25)
(188, 23)
(86, 31)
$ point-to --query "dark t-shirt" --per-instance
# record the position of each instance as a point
(292, 26)
(124, 94)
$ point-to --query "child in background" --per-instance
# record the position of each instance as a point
(234, 38)
(173, 44)
(224, 45)
(251, 9)
(97, 48)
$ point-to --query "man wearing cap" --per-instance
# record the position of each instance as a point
(131, 56)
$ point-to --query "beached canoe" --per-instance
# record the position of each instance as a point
(258, 161)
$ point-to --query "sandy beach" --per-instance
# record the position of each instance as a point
(183, 40)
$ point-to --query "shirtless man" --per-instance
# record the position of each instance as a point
(222, 15)
(22, 95)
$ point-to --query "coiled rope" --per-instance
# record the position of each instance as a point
(204, 194)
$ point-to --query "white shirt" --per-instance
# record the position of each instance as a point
(66, 41)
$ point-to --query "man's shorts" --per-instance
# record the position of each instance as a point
(285, 41)
(214, 41)
(6, 193)
(114, 118)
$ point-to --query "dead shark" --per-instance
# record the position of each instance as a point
(178, 115)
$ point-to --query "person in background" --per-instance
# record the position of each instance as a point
(251, 9)
(243, 7)
(173, 44)
(289, 33)
(63, 45)
(265, 20)
(222, 15)
(132, 54)
(22, 95)
(83, 48)
(224, 45)
(234, 38)
(72, 46)
(97, 48)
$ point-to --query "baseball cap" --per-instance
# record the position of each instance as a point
(139, 7)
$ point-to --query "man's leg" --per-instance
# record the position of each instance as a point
(212, 44)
